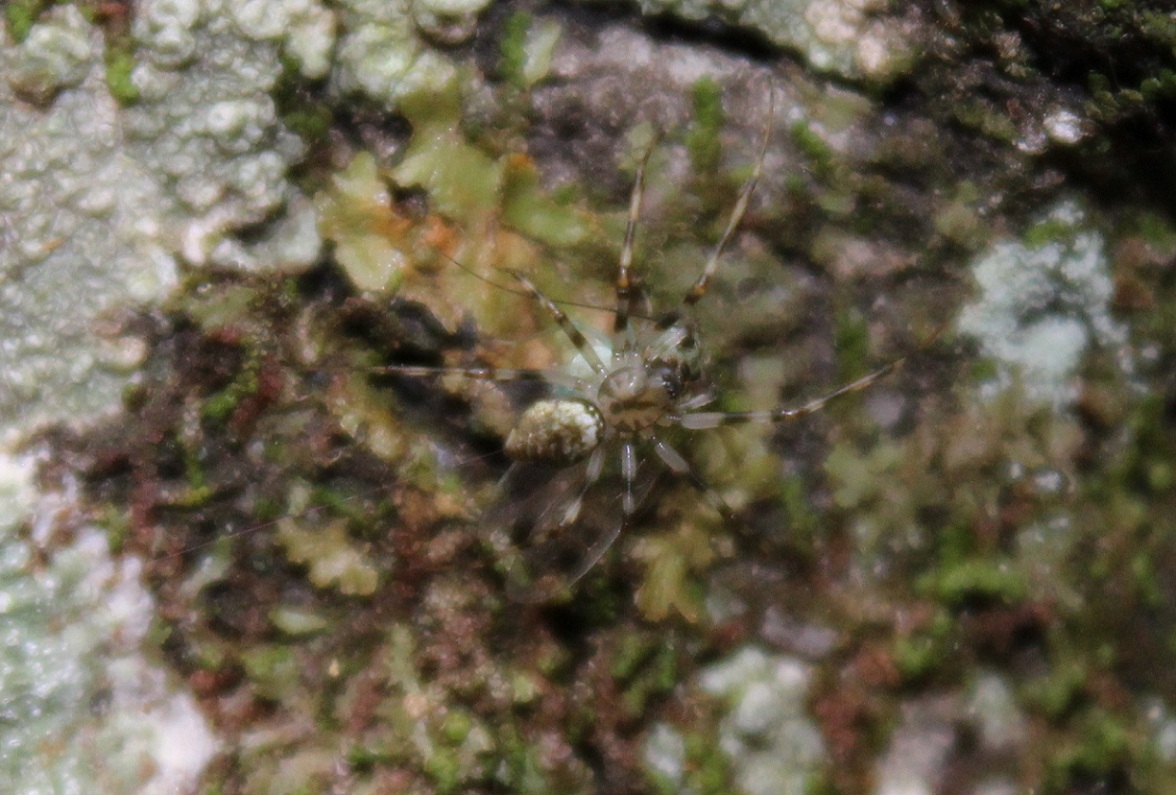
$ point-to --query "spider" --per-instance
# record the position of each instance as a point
(652, 377)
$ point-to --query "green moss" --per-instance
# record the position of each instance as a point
(1160, 86)
(983, 581)
(332, 559)
(463, 181)
(198, 491)
(1156, 229)
(670, 560)
(961, 219)
(1052, 229)
(982, 370)
(455, 728)
(444, 768)
(117, 527)
(219, 407)
(298, 623)
(1113, 103)
(708, 769)
(526, 208)
(657, 673)
(1146, 579)
(22, 15)
(355, 213)
(1104, 756)
(512, 48)
(273, 670)
(521, 770)
(120, 62)
(810, 143)
(303, 112)
(632, 649)
(860, 479)
(526, 49)
(804, 521)
(921, 653)
(1060, 692)
(981, 114)
(852, 343)
(916, 656)
(702, 140)
(330, 502)
(306, 114)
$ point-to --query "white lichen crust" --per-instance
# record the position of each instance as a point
(101, 201)
(1042, 304)
(855, 39)
(556, 431)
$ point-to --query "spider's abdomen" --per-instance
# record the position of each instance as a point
(556, 431)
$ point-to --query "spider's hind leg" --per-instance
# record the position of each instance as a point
(682, 468)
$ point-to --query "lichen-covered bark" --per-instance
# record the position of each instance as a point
(959, 581)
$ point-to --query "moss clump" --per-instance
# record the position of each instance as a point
(334, 561)
(120, 62)
(702, 140)
(1102, 754)
(975, 582)
(21, 15)
(921, 653)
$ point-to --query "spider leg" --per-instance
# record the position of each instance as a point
(699, 288)
(681, 467)
(596, 552)
(628, 508)
(629, 476)
(700, 420)
(555, 377)
(591, 475)
(583, 346)
(525, 580)
(713, 419)
(624, 285)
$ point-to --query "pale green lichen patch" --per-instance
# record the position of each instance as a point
(851, 38)
(1043, 303)
(462, 180)
(20, 16)
(74, 619)
(104, 201)
(380, 52)
(778, 747)
(306, 28)
(527, 48)
(204, 118)
(56, 54)
(67, 262)
(673, 561)
(355, 214)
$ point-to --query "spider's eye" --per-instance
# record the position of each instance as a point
(668, 377)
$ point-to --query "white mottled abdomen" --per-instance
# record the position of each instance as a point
(556, 431)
